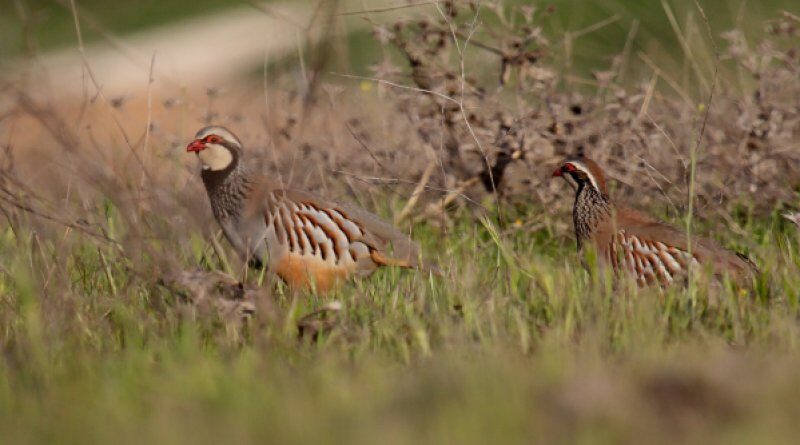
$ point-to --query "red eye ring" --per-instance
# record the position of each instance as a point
(213, 139)
(569, 167)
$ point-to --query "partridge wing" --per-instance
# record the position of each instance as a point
(351, 227)
(647, 258)
(666, 249)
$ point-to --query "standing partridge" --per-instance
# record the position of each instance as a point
(634, 243)
(304, 239)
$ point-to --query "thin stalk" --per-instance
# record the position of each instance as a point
(693, 155)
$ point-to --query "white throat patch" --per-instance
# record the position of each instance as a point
(215, 157)
(570, 180)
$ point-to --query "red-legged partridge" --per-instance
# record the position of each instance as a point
(304, 239)
(634, 243)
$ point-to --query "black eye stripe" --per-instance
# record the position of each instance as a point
(576, 172)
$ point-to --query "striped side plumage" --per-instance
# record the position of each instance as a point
(313, 240)
(325, 232)
(649, 262)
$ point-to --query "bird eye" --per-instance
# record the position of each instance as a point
(569, 167)
(213, 139)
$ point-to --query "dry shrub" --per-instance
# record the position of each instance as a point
(500, 115)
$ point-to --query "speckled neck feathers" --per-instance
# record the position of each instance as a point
(227, 190)
(591, 208)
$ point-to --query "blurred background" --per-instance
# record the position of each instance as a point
(213, 43)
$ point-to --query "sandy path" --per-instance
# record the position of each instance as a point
(190, 56)
(200, 51)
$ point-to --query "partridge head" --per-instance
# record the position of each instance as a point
(307, 240)
(217, 148)
(637, 244)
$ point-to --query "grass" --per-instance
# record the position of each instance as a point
(517, 342)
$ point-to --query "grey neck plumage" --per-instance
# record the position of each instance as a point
(591, 208)
(227, 190)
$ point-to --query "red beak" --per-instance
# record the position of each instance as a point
(558, 172)
(196, 146)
